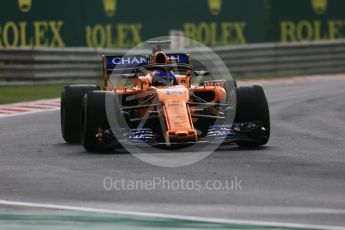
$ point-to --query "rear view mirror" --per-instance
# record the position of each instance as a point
(202, 73)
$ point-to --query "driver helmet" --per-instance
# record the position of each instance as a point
(161, 78)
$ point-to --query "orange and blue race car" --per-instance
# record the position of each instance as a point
(159, 105)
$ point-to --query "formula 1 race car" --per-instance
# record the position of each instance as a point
(162, 107)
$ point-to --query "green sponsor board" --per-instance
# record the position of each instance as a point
(214, 22)
(41, 23)
(125, 23)
(305, 20)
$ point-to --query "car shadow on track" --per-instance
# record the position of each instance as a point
(234, 148)
(81, 150)
(123, 151)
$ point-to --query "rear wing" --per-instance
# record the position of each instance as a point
(128, 63)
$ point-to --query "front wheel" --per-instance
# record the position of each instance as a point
(252, 106)
(94, 120)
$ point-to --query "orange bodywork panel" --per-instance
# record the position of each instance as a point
(177, 115)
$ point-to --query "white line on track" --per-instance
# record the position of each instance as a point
(167, 216)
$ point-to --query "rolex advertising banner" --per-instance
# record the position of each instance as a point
(305, 20)
(125, 23)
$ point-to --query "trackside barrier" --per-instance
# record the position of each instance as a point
(80, 64)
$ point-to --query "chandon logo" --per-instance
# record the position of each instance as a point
(129, 60)
(175, 58)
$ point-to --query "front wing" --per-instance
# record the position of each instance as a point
(217, 134)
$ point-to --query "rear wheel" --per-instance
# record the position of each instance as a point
(71, 98)
(252, 106)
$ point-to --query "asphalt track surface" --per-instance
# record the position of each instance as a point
(299, 177)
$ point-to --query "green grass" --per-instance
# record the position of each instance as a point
(13, 94)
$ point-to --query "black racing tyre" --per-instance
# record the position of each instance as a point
(71, 98)
(252, 106)
(93, 118)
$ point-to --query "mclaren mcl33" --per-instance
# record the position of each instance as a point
(157, 104)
